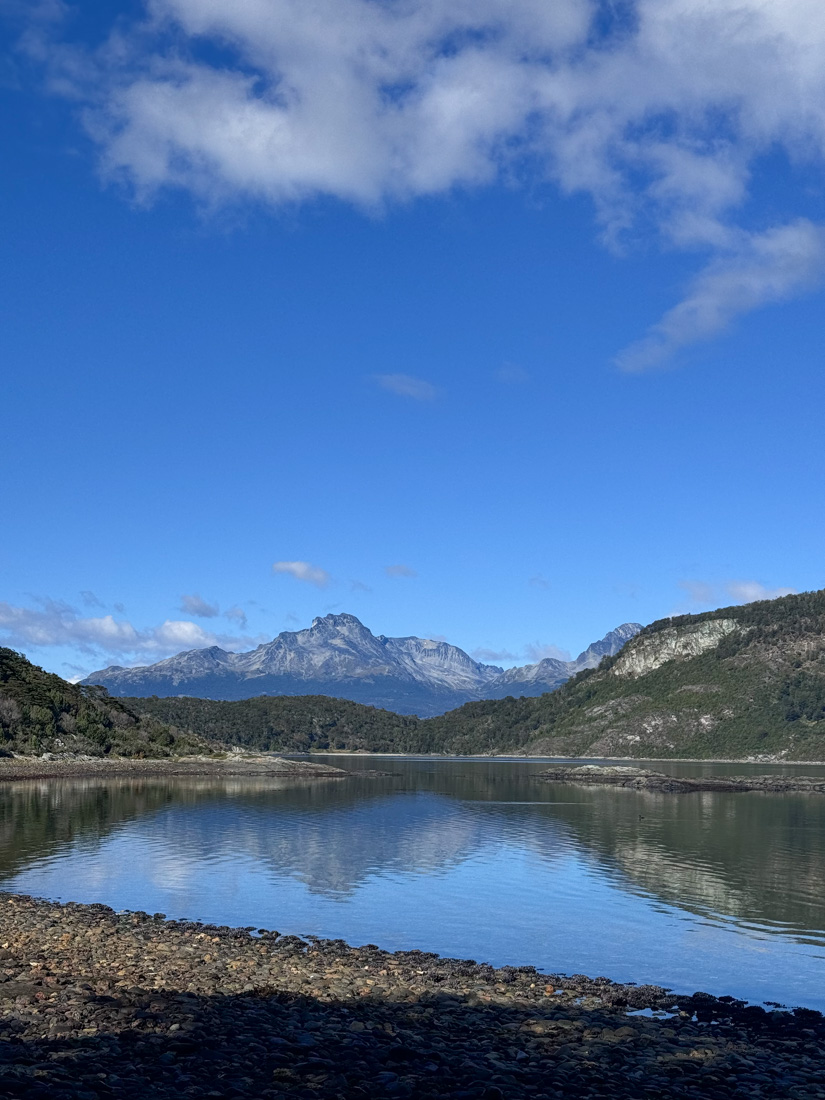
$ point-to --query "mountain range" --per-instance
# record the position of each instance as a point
(741, 682)
(339, 656)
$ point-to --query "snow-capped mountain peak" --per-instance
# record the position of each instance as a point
(338, 655)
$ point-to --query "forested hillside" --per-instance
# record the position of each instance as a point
(741, 681)
(288, 723)
(40, 712)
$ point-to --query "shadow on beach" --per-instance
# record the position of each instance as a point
(67, 1040)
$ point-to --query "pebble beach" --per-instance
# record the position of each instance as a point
(102, 1004)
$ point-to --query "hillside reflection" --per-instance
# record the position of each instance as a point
(757, 860)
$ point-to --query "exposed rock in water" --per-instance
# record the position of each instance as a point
(640, 779)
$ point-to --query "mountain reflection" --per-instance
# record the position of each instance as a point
(755, 859)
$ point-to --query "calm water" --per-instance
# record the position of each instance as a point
(468, 858)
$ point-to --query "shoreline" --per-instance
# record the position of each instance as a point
(102, 1004)
(516, 758)
(235, 765)
(294, 765)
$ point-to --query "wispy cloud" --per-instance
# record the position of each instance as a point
(303, 571)
(765, 268)
(236, 615)
(699, 592)
(750, 591)
(539, 581)
(194, 605)
(661, 111)
(54, 623)
(90, 599)
(359, 586)
(493, 655)
(400, 571)
(537, 651)
(512, 375)
(710, 594)
(405, 385)
(529, 654)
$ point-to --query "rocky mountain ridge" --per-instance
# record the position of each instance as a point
(339, 656)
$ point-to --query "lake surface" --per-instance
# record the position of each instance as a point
(469, 858)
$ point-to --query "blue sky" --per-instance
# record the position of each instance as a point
(494, 322)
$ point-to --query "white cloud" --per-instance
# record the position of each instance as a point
(750, 591)
(303, 571)
(53, 623)
(180, 634)
(707, 594)
(400, 571)
(194, 605)
(660, 111)
(405, 385)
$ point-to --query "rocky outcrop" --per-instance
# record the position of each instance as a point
(649, 651)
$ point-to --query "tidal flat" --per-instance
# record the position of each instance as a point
(100, 1004)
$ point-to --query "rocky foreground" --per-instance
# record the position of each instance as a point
(98, 1004)
(640, 779)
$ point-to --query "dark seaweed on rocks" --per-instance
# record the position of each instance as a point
(101, 1004)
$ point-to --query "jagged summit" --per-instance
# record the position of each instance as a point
(337, 655)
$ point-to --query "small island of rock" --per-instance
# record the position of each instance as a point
(640, 779)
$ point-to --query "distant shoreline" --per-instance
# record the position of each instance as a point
(296, 765)
(517, 758)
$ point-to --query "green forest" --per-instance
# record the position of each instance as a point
(40, 712)
(286, 723)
